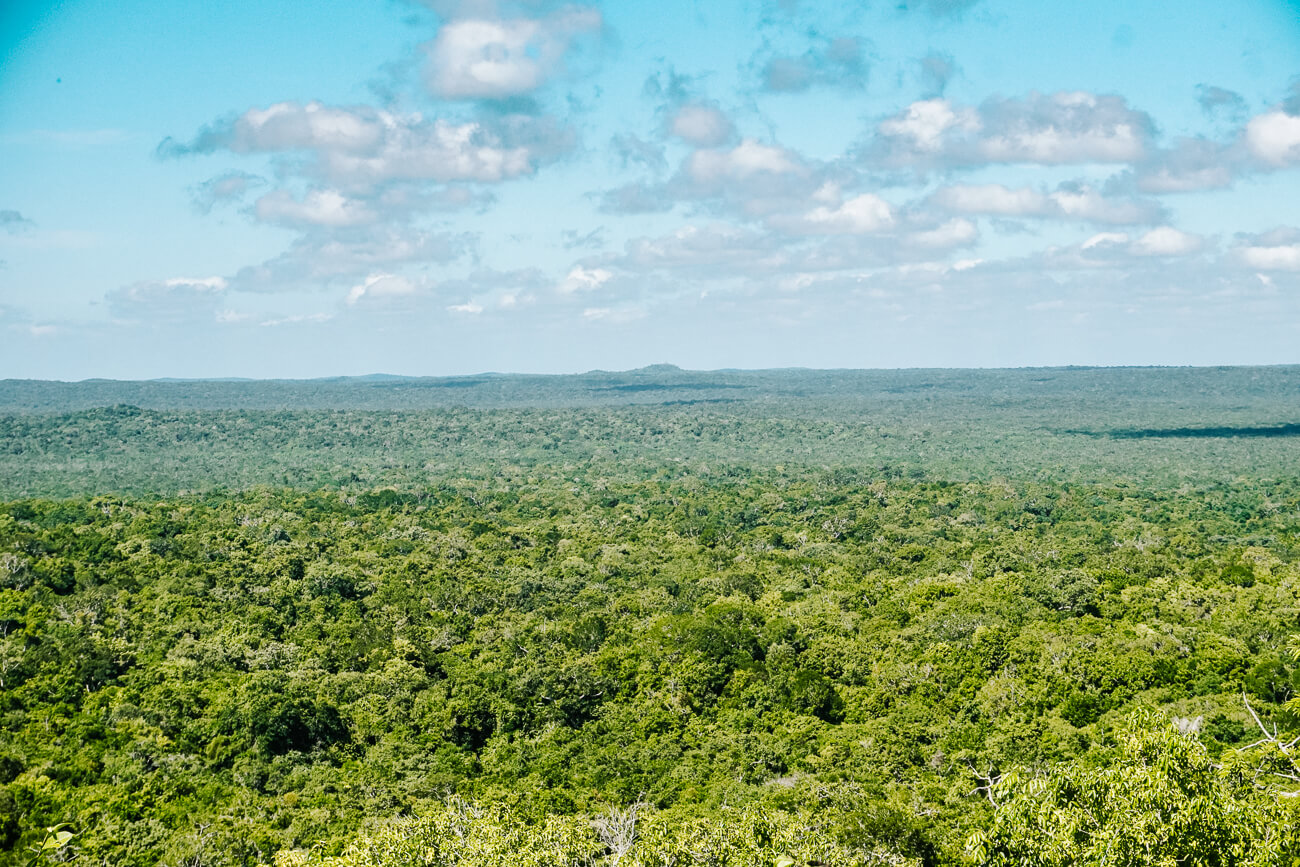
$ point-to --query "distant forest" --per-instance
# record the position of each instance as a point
(659, 617)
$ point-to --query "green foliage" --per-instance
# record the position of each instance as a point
(1161, 802)
(798, 620)
(460, 833)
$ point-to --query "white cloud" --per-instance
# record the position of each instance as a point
(993, 199)
(1271, 257)
(1069, 127)
(483, 58)
(701, 125)
(860, 215)
(468, 307)
(1104, 239)
(926, 122)
(196, 284)
(296, 319)
(1072, 202)
(363, 146)
(439, 151)
(1087, 204)
(288, 126)
(316, 208)
(1120, 250)
(381, 286)
(715, 248)
(329, 255)
(583, 279)
(1274, 137)
(745, 160)
(173, 299)
(1166, 241)
(954, 233)
(613, 315)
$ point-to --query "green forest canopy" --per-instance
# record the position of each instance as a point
(824, 617)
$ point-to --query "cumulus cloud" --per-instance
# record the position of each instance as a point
(172, 300)
(836, 63)
(701, 124)
(1166, 241)
(1076, 202)
(584, 279)
(325, 257)
(715, 248)
(295, 319)
(957, 232)
(360, 146)
(1189, 165)
(316, 208)
(746, 161)
(1122, 250)
(381, 286)
(861, 215)
(1278, 250)
(1274, 138)
(490, 58)
(1068, 127)
(487, 290)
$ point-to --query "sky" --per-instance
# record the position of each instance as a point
(442, 187)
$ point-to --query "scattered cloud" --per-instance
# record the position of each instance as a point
(1218, 102)
(296, 319)
(380, 286)
(1189, 165)
(613, 315)
(1277, 250)
(583, 279)
(631, 150)
(1072, 202)
(172, 300)
(1166, 241)
(227, 188)
(488, 290)
(573, 239)
(636, 198)
(1122, 250)
(316, 208)
(936, 70)
(957, 232)
(861, 215)
(326, 257)
(361, 147)
(492, 58)
(1274, 138)
(701, 124)
(834, 63)
(1064, 128)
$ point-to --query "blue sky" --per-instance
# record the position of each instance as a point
(443, 187)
